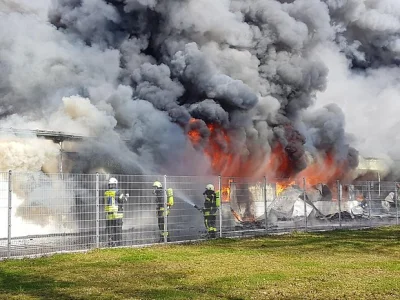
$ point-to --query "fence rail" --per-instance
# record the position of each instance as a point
(46, 213)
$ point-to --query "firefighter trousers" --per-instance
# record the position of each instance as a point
(210, 222)
(160, 218)
(114, 232)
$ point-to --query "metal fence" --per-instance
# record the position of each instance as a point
(46, 213)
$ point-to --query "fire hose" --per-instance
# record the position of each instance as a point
(234, 213)
(198, 208)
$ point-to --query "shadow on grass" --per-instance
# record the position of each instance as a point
(17, 283)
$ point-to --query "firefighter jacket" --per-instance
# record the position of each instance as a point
(211, 203)
(113, 204)
(159, 193)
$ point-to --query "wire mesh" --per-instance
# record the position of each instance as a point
(139, 222)
(324, 203)
(52, 212)
(45, 213)
(244, 203)
(286, 210)
(4, 214)
(186, 220)
(379, 202)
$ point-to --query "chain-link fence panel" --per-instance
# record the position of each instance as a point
(288, 210)
(138, 207)
(356, 205)
(324, 204)
(189, 217)
(366, 204)
(52, 213)
(299, 205)
(4, 215)
(243, 206)
(284, 208)
(45, 213)
(381, 202)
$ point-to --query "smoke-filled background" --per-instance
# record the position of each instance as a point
(201, 86)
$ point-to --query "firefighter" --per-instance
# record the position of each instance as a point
(160, 209)
(113, 207)
(211, 204)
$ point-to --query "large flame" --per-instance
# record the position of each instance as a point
(227, 161)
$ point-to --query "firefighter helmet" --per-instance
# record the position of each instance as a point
(112, 182)
(157, 184)
(209, 187)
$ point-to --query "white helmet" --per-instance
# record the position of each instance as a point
(113, 181)
(157, 184)
(210, 187)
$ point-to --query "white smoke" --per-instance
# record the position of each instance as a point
(28, 154)
(32, 213)
(368, 95)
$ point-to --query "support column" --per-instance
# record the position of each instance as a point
(220, 208)
(305, 205)
(165, 211)
(97, 211)
(265, 204)
(339, 193)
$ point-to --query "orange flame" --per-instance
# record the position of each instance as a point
(324, 170)
(282, 185)
(226, 192)
(194, 135)
(228, 162)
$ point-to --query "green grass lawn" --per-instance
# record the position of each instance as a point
(330, 265)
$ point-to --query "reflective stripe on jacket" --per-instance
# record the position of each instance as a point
(210, 203)
(111, 208)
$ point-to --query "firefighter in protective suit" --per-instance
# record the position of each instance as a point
(160, 208)
(211, 204)
(113, 208)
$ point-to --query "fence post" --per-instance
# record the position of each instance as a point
(165, 211)
(339, 194)
(369, 204)
(265, 205)
(379, 184)
(305, 204)
(396, 203)
(9, 213)
(220, 208)
(97, 211)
